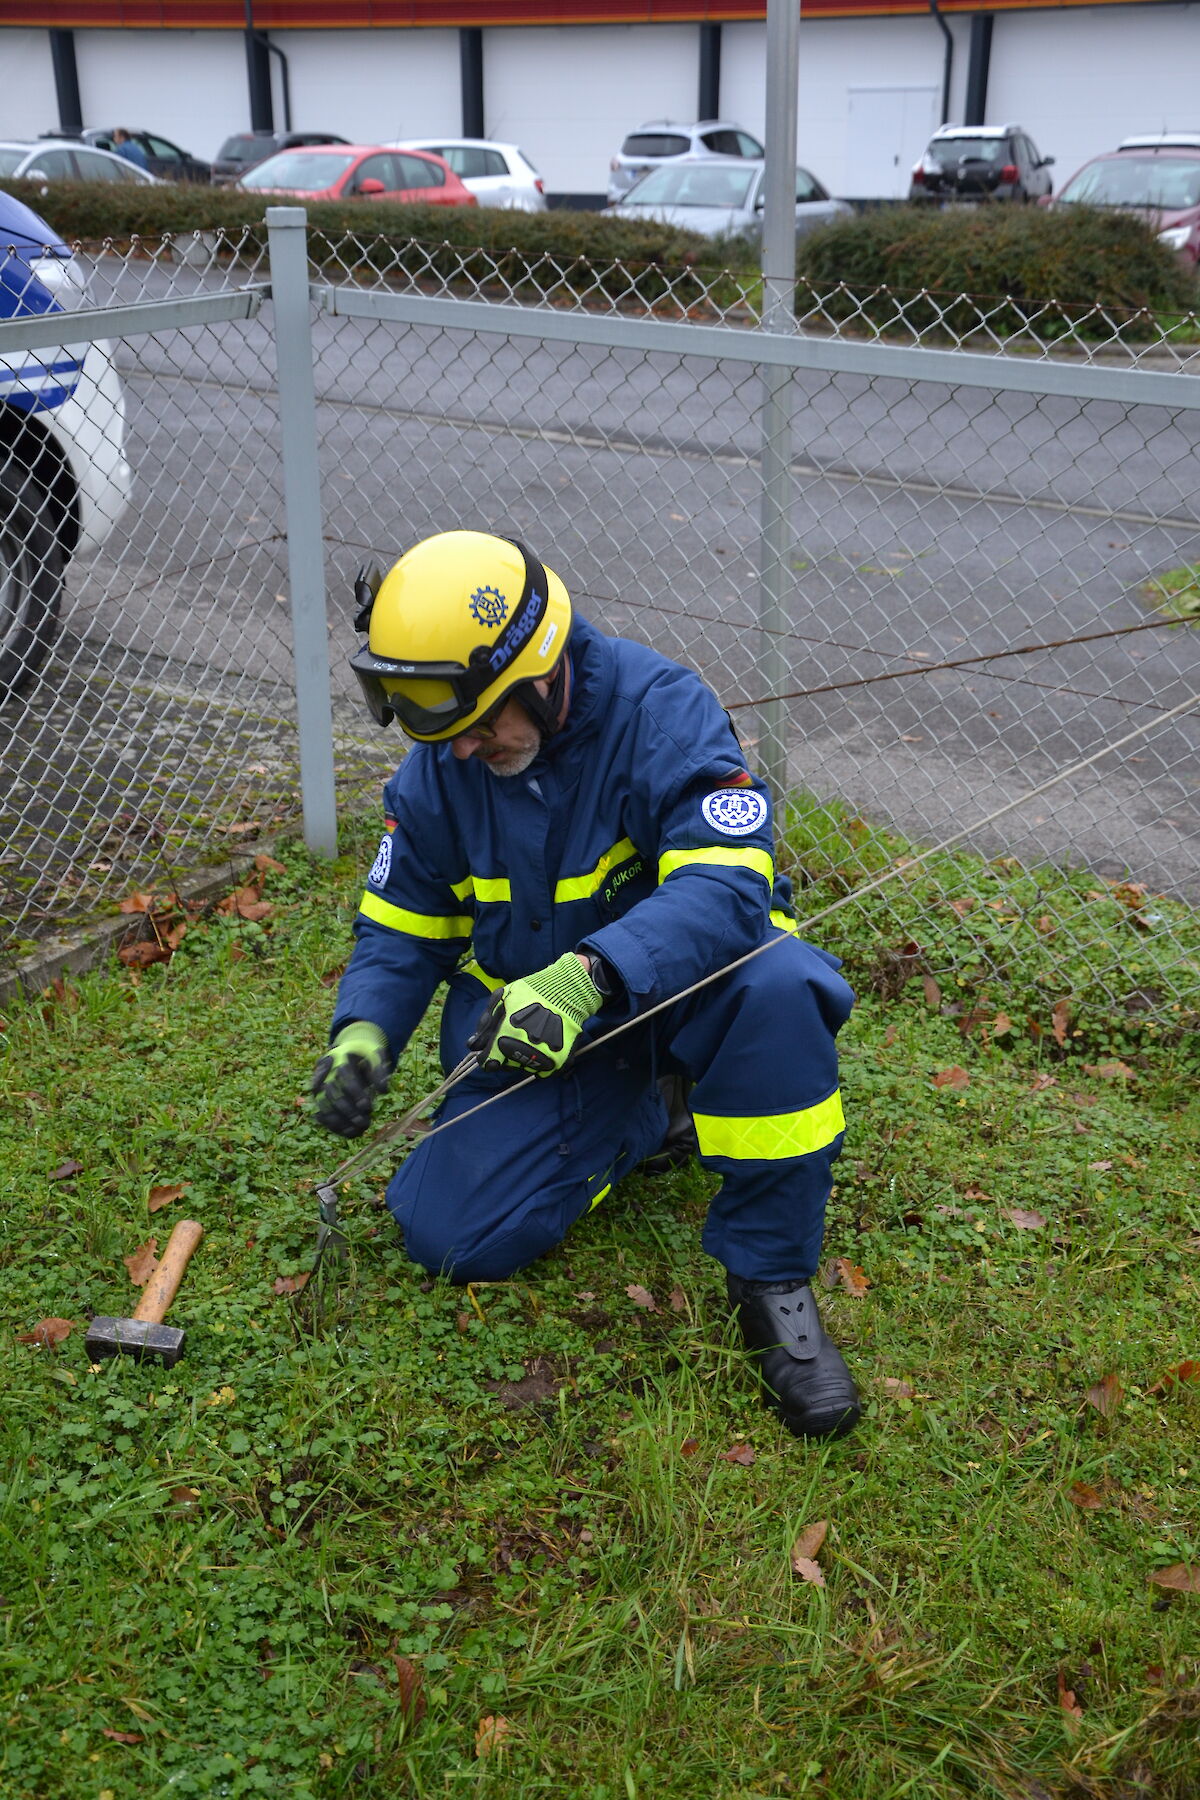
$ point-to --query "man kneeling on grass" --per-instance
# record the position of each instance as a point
(574, 839)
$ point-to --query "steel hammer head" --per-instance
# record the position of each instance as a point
(134, 1337)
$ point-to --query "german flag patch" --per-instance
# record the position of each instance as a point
(736, 778)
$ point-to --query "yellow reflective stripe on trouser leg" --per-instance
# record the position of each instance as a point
(422, 925)
(716, 855)
(773, 1137)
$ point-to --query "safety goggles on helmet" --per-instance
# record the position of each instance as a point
(430, 698)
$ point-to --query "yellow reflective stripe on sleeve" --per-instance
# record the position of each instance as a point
(582, 887)
(761, 861)
(462, 890)
(489, 888)
(422, 925)
(783, 921)
(774, 1137)
(491, 982)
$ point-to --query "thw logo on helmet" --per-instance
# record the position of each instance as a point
(489, 606)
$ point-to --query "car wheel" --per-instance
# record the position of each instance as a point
(31, 581)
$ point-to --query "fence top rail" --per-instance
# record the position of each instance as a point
(139, 319)
(720, 343)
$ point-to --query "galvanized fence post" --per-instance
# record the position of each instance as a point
(779, 291)
(287, 238)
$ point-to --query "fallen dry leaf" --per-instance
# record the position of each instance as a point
(899, 1390)
(142, 1262)
(678, 1300)
(933, 993)
(1113, 1070)
(490, 1734)
(1102, 1165)
(1040, 1082)
(1106, 1396)
(1184, 1371)
(412, 1689)
(810, 1540)
(689, 1446)
(163, 1196)
(140, 956)
(807, 1570)
(263, 862)
(47, 1333)
(1060, 1018)
(136, 902)
(642, 1297)
(952, 1078)
(183, 1499)
(65, 1170)
(739, 1453)
(964, 906)
(1071, 1709)
(1179, 1578)
(1001, 1025)
(291, 1284)
(1024, 1221)
(121, 1737)
(842, 1273)
(1089, 1499)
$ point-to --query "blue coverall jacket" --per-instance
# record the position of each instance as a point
(637, 834)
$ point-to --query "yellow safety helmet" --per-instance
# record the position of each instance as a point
(463, 622)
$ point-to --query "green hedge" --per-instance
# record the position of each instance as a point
(537, 252)
(1007, 262)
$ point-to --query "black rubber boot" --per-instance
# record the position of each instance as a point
(805, 1379)
(679, 1142)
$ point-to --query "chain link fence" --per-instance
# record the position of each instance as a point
(921, 576)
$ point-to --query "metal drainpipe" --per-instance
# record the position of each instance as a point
(283, 71)
(948, 63)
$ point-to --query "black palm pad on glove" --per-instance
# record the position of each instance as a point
(349, 1079)
(533, 1023)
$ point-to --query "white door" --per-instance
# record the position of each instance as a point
(887, 129)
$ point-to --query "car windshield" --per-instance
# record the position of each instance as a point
(300, 170)
(949, 152)
(243, 149)
(1168, 183)
(10, 159)
(693, 184)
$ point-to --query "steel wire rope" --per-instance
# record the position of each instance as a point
(359, 1160)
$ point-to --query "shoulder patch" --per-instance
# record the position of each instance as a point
(734, 813)
(381, 868)
(735, 778)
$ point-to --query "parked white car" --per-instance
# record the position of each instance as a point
(721, 198)
(497, 174)
(64, 480)
(63, 159)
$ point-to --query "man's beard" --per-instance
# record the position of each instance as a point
(516, 761)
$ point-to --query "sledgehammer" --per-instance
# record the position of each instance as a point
(145, 1334)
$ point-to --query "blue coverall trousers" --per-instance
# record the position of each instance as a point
(479, 1202)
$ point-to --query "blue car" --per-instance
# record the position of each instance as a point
(64, 480)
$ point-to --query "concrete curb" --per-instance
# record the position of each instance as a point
(75, 952)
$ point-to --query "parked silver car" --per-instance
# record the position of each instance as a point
(497, 174)
(662, 141)
(722, 198)
(65, 159)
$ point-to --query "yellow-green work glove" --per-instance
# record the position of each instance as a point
(533, 1023)
(349, 1078)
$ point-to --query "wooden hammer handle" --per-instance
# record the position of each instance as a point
(161, 1288)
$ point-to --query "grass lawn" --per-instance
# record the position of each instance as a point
(396, 1539)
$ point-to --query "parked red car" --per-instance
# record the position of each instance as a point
(359, 172)
(1157, 177)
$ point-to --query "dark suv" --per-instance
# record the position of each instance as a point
(163, 158)
(969, 163)
(246, 149)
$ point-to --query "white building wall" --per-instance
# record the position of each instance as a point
(876, 60)
(371, 86)
(570, 94)
(1080, 81)
(27, 101)
(190, 85)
